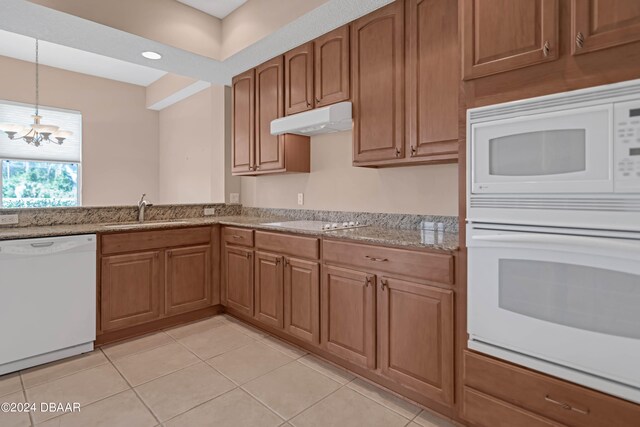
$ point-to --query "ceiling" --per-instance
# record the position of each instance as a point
(218, 8)
(19, 16)
(22, 47)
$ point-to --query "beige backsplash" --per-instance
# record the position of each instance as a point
(334, 184)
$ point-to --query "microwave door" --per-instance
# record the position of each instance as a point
(569, 300)
(561, 152)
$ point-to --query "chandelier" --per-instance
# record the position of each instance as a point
(36, 133)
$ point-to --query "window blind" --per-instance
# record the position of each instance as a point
(69, 151)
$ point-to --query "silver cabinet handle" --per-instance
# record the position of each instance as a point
(370, 258)
(546, 48)
(566, 406)
(235, 236)
(383, 284)
(580, 40)
(42, 245)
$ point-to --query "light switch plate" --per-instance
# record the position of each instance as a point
(209, 211)
(8, 219)
(301, 198)
(234, 197)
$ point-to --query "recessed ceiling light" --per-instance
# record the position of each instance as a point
(151, 55)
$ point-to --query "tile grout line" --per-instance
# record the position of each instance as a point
(26, 399)
(384, 406)
(316, 403)
(132, 389)
(61, 377)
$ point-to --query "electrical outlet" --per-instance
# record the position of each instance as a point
(234, 198)
(209, 211)
(301, 198)
(8, 219)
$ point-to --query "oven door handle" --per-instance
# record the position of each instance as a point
(624, 247)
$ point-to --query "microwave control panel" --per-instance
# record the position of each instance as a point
(627, 147)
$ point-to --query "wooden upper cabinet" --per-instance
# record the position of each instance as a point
(269, 283)
(130, 289)
(331, 59)
(298, 79)
(599, 25)
(421, 358)
(269, 106)
(377, 74)
(432, 79)
(302, 299)
(348, 315)
(242, 126)
(238, 279)
(187, 279)
(503, 35)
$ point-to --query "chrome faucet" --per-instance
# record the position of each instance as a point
(142, 205)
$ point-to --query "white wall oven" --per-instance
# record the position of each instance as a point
(553, 235)
(570, 159)
(558, 301)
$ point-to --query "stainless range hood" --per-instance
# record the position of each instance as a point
(333, 118)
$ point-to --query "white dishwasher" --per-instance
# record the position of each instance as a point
(47, 299)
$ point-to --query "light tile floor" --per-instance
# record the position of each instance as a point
(215, 372)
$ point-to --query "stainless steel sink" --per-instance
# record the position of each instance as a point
(128, 225)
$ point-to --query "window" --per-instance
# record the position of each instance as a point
(45, 176)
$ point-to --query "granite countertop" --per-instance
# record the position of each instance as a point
(446, 241)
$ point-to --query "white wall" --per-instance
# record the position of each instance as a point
(119, 135)
(192, 149)
(334, 184)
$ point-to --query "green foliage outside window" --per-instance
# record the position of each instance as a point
(29, 184)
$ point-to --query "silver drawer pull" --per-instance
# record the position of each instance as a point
(235, 236)
(566, 406)
(42, 245)
(370, 258)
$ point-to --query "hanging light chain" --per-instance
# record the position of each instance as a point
(37, 78)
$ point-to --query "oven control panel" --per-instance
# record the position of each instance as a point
(627, 147)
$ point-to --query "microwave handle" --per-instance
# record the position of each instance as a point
(586, 244)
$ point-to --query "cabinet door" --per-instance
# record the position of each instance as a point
(332, 67)
(242, 117)
(502, 35)
(238, 274)
(602, 24)
(187, 279)
(302, 299)
(377, 61)
(420, 358)
(130, 289)
(432, 78)
(348, 315)
(298, 79)
(269, 106)
(269, 289)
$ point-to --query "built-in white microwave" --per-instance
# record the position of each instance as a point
(557, 159)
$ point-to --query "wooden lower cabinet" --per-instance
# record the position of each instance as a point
(563, 402)
(187, 279)
(269, 284)
(415, 333)
(155, 274)
(238, 279)
(348, 315)
(302, 299)
(130, 289)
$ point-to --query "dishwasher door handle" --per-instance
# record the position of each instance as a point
(42, 244)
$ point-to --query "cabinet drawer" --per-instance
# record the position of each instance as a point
(487, 411)
(419, 265)
(301, 247)
(238, 236)
(561, 401)
(156, 239)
